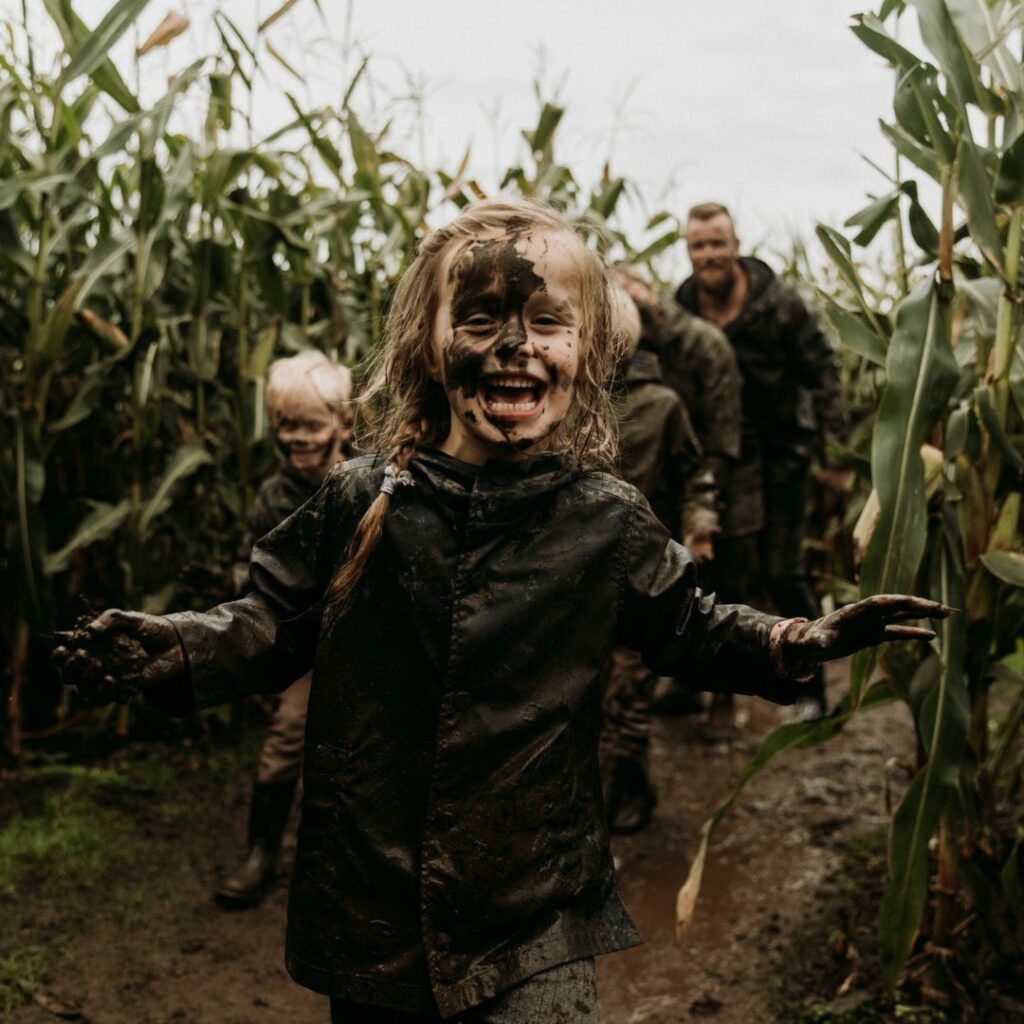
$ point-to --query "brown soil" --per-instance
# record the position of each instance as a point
(145, 944)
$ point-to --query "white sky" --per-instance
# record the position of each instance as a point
(765, 106)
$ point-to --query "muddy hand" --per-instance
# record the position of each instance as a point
(117, 654)
(864, 624)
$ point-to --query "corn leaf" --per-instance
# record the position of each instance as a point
(1007, 566)
(185, 461)
(942, 726)
(921, 374)
(105, 76)
(275, 15)
(102, 522)
(94, 48)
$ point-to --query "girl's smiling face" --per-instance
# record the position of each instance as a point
(506, 342)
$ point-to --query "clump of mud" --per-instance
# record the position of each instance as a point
(103, 666)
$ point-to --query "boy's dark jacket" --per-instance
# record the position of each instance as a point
(452, 839)
(659, 453)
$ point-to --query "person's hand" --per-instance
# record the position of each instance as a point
(701, 546)
(119, 653)
(856, 626)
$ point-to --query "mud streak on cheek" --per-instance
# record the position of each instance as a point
(463, 367)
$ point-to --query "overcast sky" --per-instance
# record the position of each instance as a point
(765, 106)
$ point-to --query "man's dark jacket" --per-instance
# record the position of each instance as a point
(452, 839)
(791, 389)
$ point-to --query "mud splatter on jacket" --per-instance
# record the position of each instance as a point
(452, 839)
(659, 453)
(791, 391)
(277, 498)
(698, 363)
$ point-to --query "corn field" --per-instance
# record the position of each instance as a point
(148, 278)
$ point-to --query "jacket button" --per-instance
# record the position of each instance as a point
(446, 819)
(462, 701)
(443, 941)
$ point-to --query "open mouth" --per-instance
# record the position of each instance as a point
(512, 396)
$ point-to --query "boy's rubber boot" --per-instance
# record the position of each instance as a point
(631, 797)
(268, 816)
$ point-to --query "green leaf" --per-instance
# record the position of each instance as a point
(853, 332)
(979, 27)
(1009, 187)
(941, 37)
(873, 218)
(942, 726)
(105, 76)
(102, 522)
(922, 230)
(906, 145)
(103, 259)
(985, 400)
(975, 189)
(838, 249)
(872, 33)
(921, 375)
(275, 15)
(540, 138)
(34, 182)
(1007, 566)
(279, 57)
(660, 244)
(185, 461)
(94, 49)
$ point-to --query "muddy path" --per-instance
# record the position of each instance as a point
(141, 940)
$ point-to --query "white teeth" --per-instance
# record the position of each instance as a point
(512, 406)
(511, 382)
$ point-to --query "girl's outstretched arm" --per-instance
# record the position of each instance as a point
(681, 631)
(259, 644)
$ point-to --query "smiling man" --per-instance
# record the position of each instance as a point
(791, 405)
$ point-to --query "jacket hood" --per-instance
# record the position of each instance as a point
(643, 368)
(759, 278)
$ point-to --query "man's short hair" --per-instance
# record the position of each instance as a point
(705, 211)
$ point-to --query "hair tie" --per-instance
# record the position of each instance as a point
(392, 478)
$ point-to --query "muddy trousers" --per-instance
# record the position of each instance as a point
(773, 559)
(628, 693)
(281, 756)
(563, 995)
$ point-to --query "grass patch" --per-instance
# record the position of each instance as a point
(86, 822)
(26, 964)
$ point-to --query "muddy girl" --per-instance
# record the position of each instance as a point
(456, 597)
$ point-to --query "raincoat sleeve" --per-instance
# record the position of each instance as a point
(267, 640)
(680, 631)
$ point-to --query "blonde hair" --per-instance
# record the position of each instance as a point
(309, 379)
(406, 407)
(626, 329)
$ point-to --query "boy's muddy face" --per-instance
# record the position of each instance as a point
(311, 440)
(507, 339)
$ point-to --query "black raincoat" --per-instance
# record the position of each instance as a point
(452, 839)
(792, 398)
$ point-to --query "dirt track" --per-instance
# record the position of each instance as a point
(147, 946)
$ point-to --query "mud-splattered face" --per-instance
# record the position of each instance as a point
(311, 439)
(507, 340)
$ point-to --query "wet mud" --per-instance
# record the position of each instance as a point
(772, 878)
